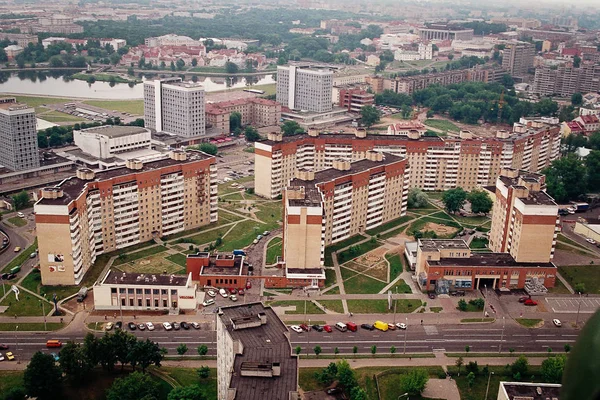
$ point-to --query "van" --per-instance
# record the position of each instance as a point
(340, 326)
(53, 343)
(352, 326)
(382, 326)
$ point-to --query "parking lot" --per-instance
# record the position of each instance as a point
(570, 305)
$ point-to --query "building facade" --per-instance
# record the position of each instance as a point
(108, 140)
(354, 99)
(22, 39)
(18, 135)
(255, 355)
(254, 111)
(445, 32)
(305, 88)
(144, 292)
(517, 58)
(94, 213)
(435, 163)
(525, 220)
(566, 80)
(174, 106)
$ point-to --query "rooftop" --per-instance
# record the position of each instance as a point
(115, 131)
(123, 278)
(531, 391)
(488, 260)
(263, 344)
(539, 198)
(440, 244)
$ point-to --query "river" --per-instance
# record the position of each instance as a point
(58, 83)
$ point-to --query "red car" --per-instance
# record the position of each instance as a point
(523, 299)
(327, 328)
(241, 292)
(248, 285)
(3, 347)
(305, 327)
(530, 302)
(233, 291)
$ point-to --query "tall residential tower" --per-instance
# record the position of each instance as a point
(305, 88)
(18, 136)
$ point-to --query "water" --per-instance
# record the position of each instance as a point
(58, 83)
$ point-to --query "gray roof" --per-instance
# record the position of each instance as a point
(115, 131)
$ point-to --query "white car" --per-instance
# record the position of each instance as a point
(296, 328)
(211, 293)
(1, 357)
(20, 215)
(208, 302)
(590, 240)
(400, 325)
(557, 322)
(233, 297)
(108, 326)
(195, 325)
(150, 326)
(167, 326)
(223, 293)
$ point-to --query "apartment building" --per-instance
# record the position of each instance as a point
(446, 265)
(109, 140)
(94, 213)
(525, 219)
(56, 23)
(174, 106)
(517, 58)
(527, 390)
(566, 80)
(22, 39)
(336, 203)
(438, 32)
(435, 163)
(353, 99)
(255, 355)
(18, 135)
(305, 87)
(254, 111)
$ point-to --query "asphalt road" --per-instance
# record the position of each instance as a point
(15, 241)
(449, 338)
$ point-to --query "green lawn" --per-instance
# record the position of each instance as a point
(18, 221)
(330, 277)
(57, 116)
(340, 245)
(358, 283)
(30, 326)
(208, 69)
(311, 308)
(32, 280)
(577, 250)
(204, 237)
(270, 213)
(128, 257)
(135, 107)
(479, 243)
(28, 305)
(21, 258)
(478, 220)
(419, 225)
(363, 248)
(401, 287)
(527, 322)
(9, 380)
(189, 376)
(242, 235)
(559, 288)
(389, 225)
(436, 309)
(177, 259)
(269, 88)
(333, 305)
(588, 275)
(564, 239)
(442, 124)
(60, 291)
(396, 264)
(34, 101)
(381, 306)
(475, 320)
(442, 215)
(273, 250)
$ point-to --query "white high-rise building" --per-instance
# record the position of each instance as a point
(174, 106)
(305, 88)
(18, 135)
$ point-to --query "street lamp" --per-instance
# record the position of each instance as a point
(578, 308)
(16, 338)
(488, 385)
(405, 330)
(502, 336)
(402, 395)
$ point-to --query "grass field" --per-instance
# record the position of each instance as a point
(9, 380)
(340, 245)
(135, 107)
(32, 280)
(269, 88)
(311, 308)
(57, 116)
(330, 277)
(178, 259)
(396, 265)
(528, 323)
(333, 305)
(559, 288)
(189, 376)
(476, 220)
(129, 257)
(381, 306)
(401, 287)
(242, 235)
(30, 326)
(588, 275)
(273, 250)
(18, 221)
(28, 305)
(479, 243)
(442, 124)
(364, 248)
(35, 101)
(203, 238)
(389, 225)
(358, 283)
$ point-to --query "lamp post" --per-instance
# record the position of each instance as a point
(488, 385)
(307, 339)
(578, 308)
(405, 330)
(16, 338)
(121, 308)
(502, 336)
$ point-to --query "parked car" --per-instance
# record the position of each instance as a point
(223, 293)
(305, 327)
(367, 326)
(185, 325)
(20, 215)
(3, 347)
(211, 293)
(265, 233)
(233, 297)
(175, 326)
(150, 326)
(208, 302)
(32, 255)
(590, 240)
(523, 299)
(334, 390)
(132, 326)
(195, 325)
(327, 328)
(401, 325)
(241, 292)
(17, 249)
(296, 328)
(142, 327)
(248, 285)
(1, 357)
(55, 356)
(557, 322)
(118, 325)
(530, 302)
(431, 295)
(9, 356)
(318, 328)
(167, 326)
(108, 326)
(232, 290)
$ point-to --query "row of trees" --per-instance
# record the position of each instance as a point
(455, 199)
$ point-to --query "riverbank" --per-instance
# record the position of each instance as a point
(104, 78)
(124, 70)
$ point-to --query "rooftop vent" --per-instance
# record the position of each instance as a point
(52, 193)
(134, 164)
(85, 174)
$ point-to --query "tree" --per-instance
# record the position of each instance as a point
(546, 107)
(317, 350)
(459, 363)
(579, 287)
(508, 81)
(467, 349)
(182, 349)
(567, 348)
(134, 386)
(194, 62)
(231, 68)
(203, 372)
(193, 392)
(121, 343)
(251, 134)
(42, 140)
(471, 380)
(298, 350)
(414, 381)
(73, 362)
(291, 128)
(454, 199)
(576, 61)
(355, 349)
(42, 377)
(369, 115)
(56, 62)
(209, 148)
(336, 351)
(592, 163)
(393, 350)
(235, 121)
(576, 99)
(473, 367)
(21, 200)
(566, 178)
(462, 305)
(417, 198)
(91, 349)
(202, 350)
(480, 202)
(519, 367)
(553, 367)
(180, 64)
(55, 140)
(358, 393)
(145, 353)
(373, 349)
(478, 303)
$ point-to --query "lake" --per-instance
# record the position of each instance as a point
(58, 83)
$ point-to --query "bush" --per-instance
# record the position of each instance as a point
(479, 303)
(472, 367)
(462, 305)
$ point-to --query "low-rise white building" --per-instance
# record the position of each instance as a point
(130, 291)
(108, 140)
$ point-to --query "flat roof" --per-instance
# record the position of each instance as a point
(128, 278)
(264, 344)
(531, 391)
(440, 244)
(541, 198)
(312, 197)
(399, 138)
(488, 260)
(115, 131)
